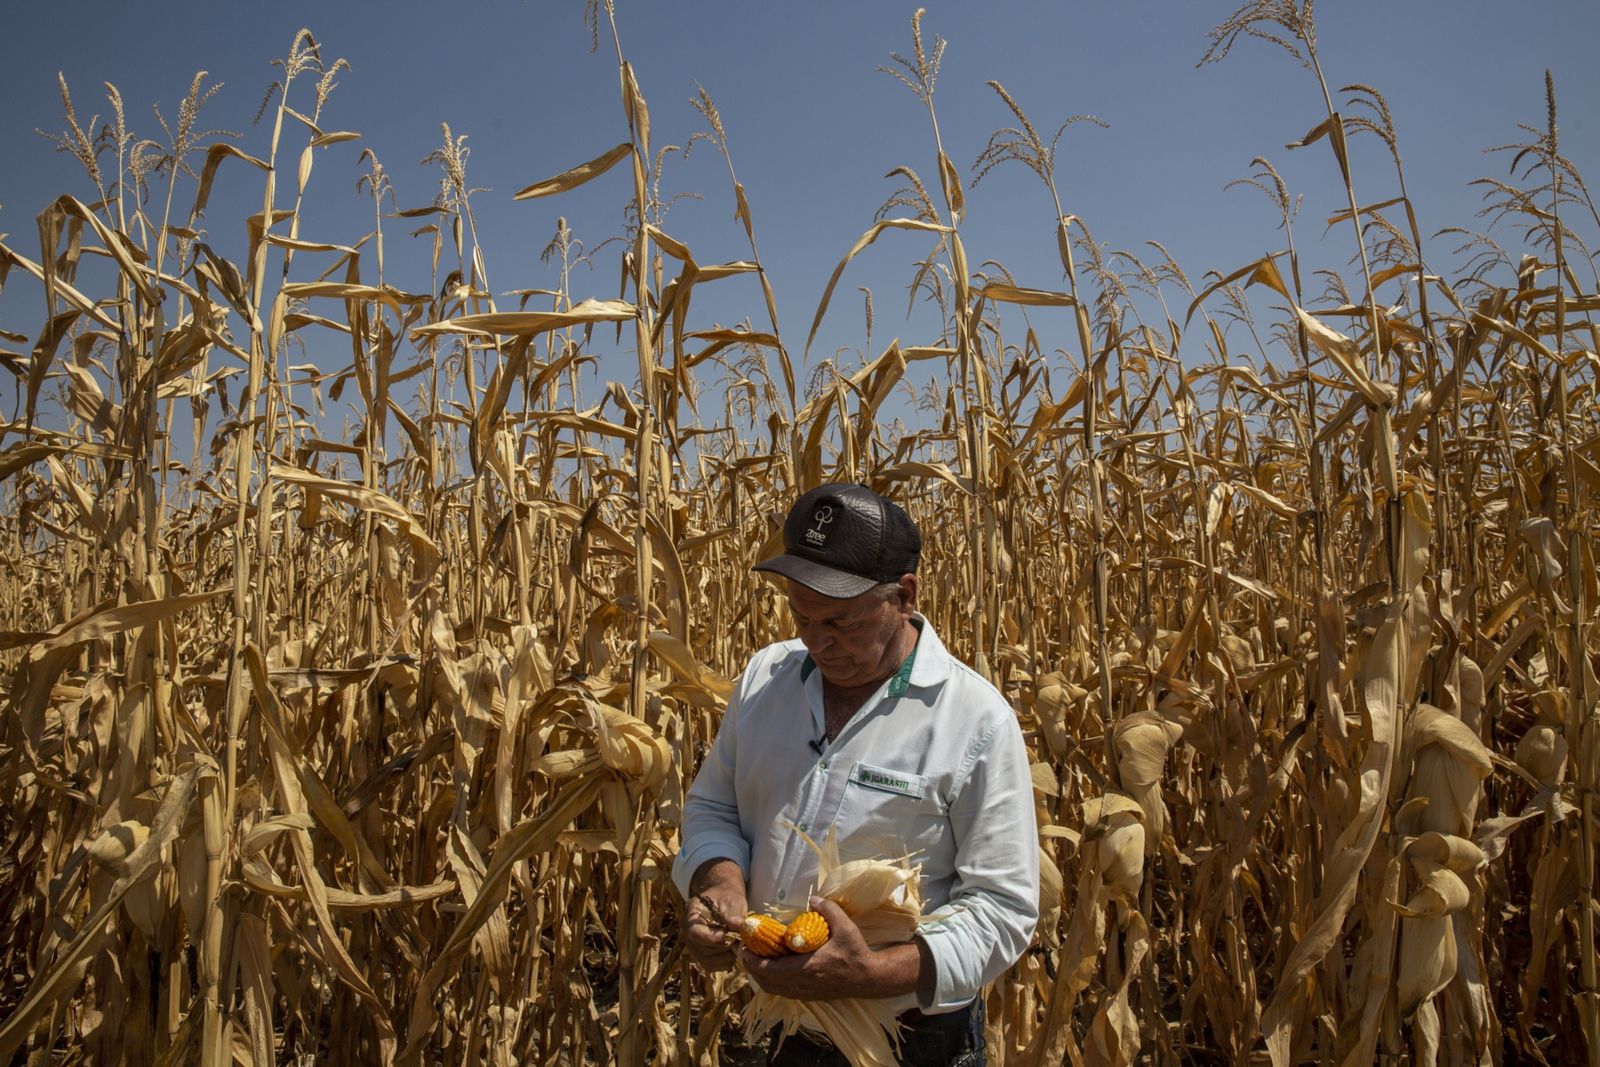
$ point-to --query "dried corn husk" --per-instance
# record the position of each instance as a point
(884, 899)
(1143, 741)
(1117, 822)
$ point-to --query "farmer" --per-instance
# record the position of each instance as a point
(866, 723)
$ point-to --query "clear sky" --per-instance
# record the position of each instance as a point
(813, 125)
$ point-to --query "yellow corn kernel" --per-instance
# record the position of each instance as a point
(763, 935)
(807, 933)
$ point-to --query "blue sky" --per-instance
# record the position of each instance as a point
(814, 126)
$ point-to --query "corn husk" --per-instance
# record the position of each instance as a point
(884, 899)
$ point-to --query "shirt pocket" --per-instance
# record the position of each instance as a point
(887, 813)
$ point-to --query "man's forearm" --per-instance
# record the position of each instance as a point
(899, 969)
(718, 873)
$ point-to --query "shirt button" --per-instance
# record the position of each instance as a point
(780, 894)
(823, 765)
(804, 827)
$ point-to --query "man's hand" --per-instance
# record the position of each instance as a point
(716, 908)
(844, 967)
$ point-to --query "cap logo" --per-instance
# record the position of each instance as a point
(817, 535)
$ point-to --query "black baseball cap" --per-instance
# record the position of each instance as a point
(842, 539)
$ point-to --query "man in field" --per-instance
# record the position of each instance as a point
(865, 723)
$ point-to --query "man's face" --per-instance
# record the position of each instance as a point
(854, 642)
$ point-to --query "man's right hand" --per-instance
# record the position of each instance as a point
(717, 905)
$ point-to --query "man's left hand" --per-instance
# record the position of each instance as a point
(844, 967)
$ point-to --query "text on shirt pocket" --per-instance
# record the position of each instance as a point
(888, 812)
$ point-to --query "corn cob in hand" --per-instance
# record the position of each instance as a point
(764, 935)
(807, 933)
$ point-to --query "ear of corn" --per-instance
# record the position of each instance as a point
(807, 933)
(764, 935)
(883, 898)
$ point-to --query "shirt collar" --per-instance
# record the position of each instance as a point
(932, 659)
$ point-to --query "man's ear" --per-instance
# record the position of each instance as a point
(908, 591)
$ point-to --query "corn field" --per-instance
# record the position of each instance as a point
(368, 745)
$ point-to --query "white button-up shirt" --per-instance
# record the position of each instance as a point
(933, 765)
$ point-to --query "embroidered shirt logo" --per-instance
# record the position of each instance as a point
(817, 535)
(888, 780)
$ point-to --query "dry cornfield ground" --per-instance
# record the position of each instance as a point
(370, 747)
